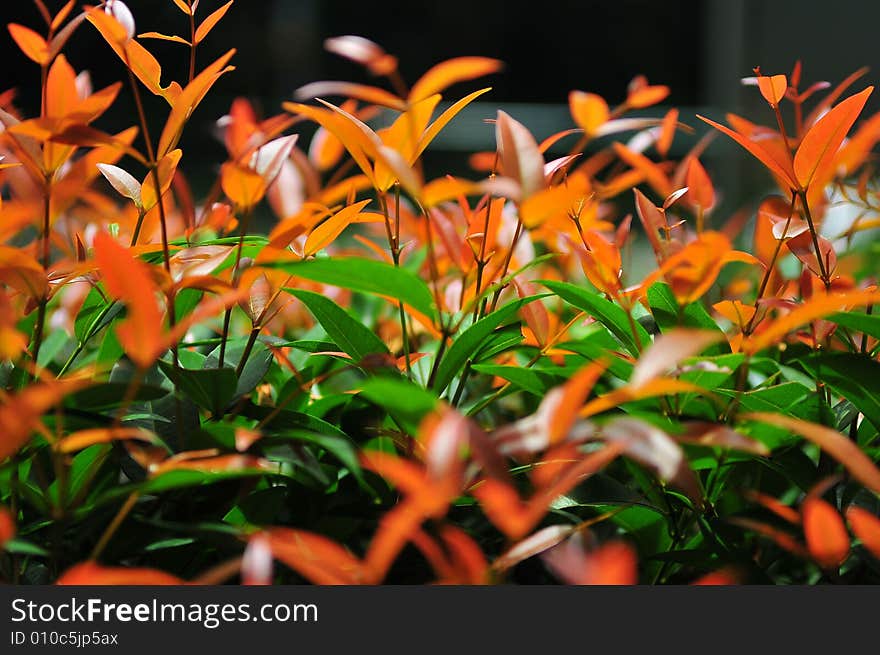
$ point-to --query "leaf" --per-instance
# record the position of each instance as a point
(211, 388)
(701, 193)
(210, 22)
(669, 315)
(326, 233)
(835, 444)
(773, 88)
(604, 311)
(365, 276)
(447, 73)
(371, 95)
(185, 104)
(122, 182)
(532, 545)
(442, 120)
(589, 111)
(821, 142)
(31, 44)
(93, 574)
(866, 527)
(352, 336)
(668, 350)
(85, 438)
(519, 154)
(817, 307)
(242, 185)
(468, 342)
(128, 278)
(855, 377)
(400, 398)
(7, 526)
(163, 37)
(613, 563)
(779, 167)
(318, 559)
(825, 533)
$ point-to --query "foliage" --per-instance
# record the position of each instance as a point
(417, 379)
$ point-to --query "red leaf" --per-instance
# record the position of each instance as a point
(827, 539)
(866, 527)
(93, 574)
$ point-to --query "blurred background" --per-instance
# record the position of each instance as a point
(700, 48)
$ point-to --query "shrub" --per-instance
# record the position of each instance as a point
(413, 378)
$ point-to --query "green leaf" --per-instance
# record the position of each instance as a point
(855, 377)
(669, 314)
(349, 334)
(366, 276)
(535, 382)
(211, 388)
(401, 398)
(111, 394)
(858, 321)
(340, 446)
(604, 311)
(468, 343)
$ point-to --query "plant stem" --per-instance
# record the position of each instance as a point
(823, 271)
(123, 512)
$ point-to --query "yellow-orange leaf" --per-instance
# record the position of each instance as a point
(773, 88)
(817, 307)
(316, 558)
(449, 72)
(371, 95)
(208, 24)
(326, 232)
(827, 539)
(589, 111)
(31, 44)
(166, 170)
(85, 438)
(243, 186)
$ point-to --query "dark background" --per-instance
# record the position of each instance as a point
(700, 49)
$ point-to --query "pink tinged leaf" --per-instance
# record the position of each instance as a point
(120, 11)
(613, 563)
(519, 153)
(123, 182)
(668, 350)
(362, 51)
(269, 158)
(535, 544)
(720, 436)
(801, 247)
(257, 563)
(369, 94)
(444, 446)
(656, 450)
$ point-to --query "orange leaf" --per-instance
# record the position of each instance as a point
(589, 111)
(701, 193)
(655, 175)
(316, 558)
(93, 574)
(779, 166)
(327, 232)
(208, 24)
(449, 72)
(827, 539)
(835, 444)
(613, 563)
(242, 185)
(773, 88)
(442, 120)
(22, 272)
(667, 132)
(129, 279)
(645, 96)
(85, 438)
(183, 106)
(601, 263)
(817, 307)
(821, 143)
(163, 37)
(866, 527)
(166, 169)
(31, 44)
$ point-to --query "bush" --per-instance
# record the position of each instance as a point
(415, 379)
